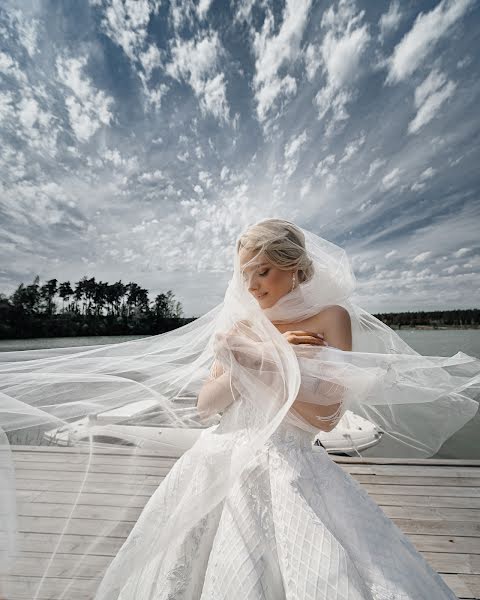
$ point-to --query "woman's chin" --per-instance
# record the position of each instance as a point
(265, 301)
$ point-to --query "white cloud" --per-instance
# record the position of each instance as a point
(150, 59)
(7, 110)
(203, 7)
(420, 183)
(352, 148)
(313, 60)
(292, 151)
(429, 97)
(197, 63)
(11, 68)
(375, 165)
(126, 22)
(390, 20)
(461, 252)
(390, 254)
(276, 51)
(305, 187)
(341, 51)
(224, 173)
(391, 178)
(88, 109)
(323, 167)
(206, 178)
(420, 41)
(422, 257)
(294, 145)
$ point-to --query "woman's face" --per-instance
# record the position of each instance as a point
(264, 281)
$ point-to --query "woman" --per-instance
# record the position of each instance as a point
(251, 511)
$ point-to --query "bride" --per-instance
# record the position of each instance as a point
(293, 524)
(251, 511)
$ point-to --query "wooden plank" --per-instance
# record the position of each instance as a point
(464, 586)
(151, 466)
(87, 511)
(421, 481)
(34, 563)
(406, 461)
(141, 460)
(113, 487)
(97, 526)
(92, 527)
(127, 513)
(463, 528)
(415, 490)
(120, 451)
(84, 498)
(443, 562)
(473, 583)
(433, 501)
(103, 487)
(110, 499)
(51, 588)
(445, 543)
(68, 543)
(153, 473)
(67, 475)
(411, 470)
(461, 588)
(33, 460)
(432, 514)
(61, 565)
(79, 544)
(27, 478)
(79, 450)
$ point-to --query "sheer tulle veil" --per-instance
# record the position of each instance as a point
(418, 401)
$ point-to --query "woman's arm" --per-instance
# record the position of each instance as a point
(337, 333)
(245, 348)
(216, 393)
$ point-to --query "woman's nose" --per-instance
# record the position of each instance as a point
(251, 285)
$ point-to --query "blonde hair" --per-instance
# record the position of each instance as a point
(282, 243)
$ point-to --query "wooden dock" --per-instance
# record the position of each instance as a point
(436, 503)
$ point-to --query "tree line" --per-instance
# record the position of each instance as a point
(460, 318)
(89, 307)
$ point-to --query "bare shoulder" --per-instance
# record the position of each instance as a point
(335, 324)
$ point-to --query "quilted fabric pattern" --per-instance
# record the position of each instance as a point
(294, 527)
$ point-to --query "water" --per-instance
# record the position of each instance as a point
(430, 342)
(63, 342)
(465, 443)
(443, 342)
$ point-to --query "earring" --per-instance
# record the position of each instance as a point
(293, 282)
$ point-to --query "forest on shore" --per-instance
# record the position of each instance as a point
(90, 307)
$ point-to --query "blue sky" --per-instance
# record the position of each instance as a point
(140, 138)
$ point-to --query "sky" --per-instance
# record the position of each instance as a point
(139, 138)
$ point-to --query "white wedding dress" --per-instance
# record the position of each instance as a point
(295, 527)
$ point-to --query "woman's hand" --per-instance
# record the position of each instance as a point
(305, 337)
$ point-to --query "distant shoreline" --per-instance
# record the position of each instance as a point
(431, 327)
(137, 335)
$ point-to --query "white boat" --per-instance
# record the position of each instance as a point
(139, 424)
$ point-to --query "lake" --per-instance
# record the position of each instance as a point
(430, 342)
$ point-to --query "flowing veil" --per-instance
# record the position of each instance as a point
(233, 352)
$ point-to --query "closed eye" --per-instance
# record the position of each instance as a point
(261, 274)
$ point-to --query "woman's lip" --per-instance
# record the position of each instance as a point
(258, 297)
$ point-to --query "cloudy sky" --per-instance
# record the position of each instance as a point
(138, 138)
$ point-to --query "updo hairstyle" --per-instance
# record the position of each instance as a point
(282, 243)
